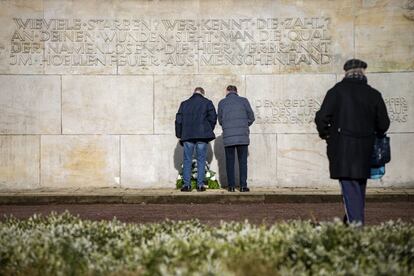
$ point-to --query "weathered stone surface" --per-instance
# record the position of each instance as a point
(171, 90)
(135, 61)
(171, 37)
(20, 51)
(19, 162)
(302, 161)
(150, 161)
(310, 36)
(384, 34)
(80, 161)
(30, 104)
(287, 103)
(266, 37)
(169, 51)
(154, 161)
(73, 43)
(398, 92)
(398, 173)
(261, 161)
(107, 104)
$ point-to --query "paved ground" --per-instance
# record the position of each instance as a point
(173, 196)
(376, 212)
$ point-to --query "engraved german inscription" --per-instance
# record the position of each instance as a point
(397, 108)
(171, 42)
(301, 111)
(297, 111)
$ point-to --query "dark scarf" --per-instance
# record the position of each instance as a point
(355, 75)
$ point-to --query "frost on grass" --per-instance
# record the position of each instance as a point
(66, 245)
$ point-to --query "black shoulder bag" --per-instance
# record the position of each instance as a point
(381, 153)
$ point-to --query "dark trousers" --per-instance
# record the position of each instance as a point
(353, 193)
(242, 158)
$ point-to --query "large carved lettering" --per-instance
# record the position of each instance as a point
(301, 111)
(397, 108)
(171, 42)
(297, 111)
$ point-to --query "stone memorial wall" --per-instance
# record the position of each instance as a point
(89, 89)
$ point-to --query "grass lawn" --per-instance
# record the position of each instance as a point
(67, 245)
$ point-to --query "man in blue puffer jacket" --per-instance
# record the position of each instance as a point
(194, 125)
(235, 115)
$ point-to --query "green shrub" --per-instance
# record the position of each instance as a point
(66, 245)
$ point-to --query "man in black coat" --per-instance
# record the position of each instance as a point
(235, 115)
(194, 125)
(351, 114)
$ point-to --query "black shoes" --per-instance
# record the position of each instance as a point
(186, 189)
(243, 189)
(201, 189)
(345, 220)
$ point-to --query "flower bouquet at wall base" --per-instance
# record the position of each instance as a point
(210, 180)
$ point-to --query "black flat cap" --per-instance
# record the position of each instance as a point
(355, 63)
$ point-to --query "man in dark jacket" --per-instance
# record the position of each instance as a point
(235, 115)
(194, 125)
(351, 114)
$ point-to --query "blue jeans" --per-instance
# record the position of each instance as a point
(353, 193)
(201, 152)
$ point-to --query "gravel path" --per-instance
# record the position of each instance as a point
(376, 212)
